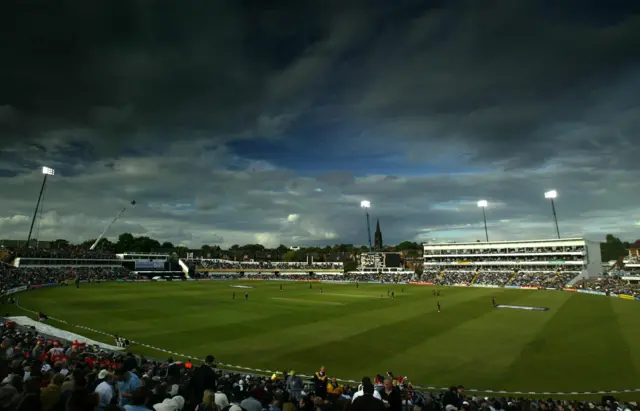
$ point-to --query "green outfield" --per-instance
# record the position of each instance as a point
(582, 343)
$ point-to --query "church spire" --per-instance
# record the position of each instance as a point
(378, 237)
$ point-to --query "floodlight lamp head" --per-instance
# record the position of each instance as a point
(551, 194)
(48, 171)
(483, 203)
(365, 204)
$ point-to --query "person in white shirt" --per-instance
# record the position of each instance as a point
(221, 399)
(105, 390)
(360, 393)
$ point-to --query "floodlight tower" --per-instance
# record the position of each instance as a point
(552, 195)
(132, 202)
(367, 205)
(46, 171)
(483, 204)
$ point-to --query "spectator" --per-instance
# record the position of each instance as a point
(391, 396)
(251, 403)
(170, 404)
(275, 406)
(138, 398)
(366, 401)
(360, 392)
(80, 398)
(306, 404)
(295, 385)
(9, 392)
(221, 399)
(334, 389)
(204, 377)
(453, 397)
(101, 377)
(320, 382)
(128, 382)
(287, 404)
(51, 395)
(208, 402)
(30, 399)
(105, 389)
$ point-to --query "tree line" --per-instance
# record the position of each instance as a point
(612, 248)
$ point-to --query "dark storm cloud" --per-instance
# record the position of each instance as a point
(507, 82)
(129, 100)
(491, 75)
(126, 68)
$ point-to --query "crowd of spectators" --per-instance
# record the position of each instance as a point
(614, 285)
(631, 266)
(543, 279)
(314, 277)
(68, 251)
(217, 276)
(455, 277)
(501, 277)
(39, 373)
(383, 278)
(260, 275)
(514, 259)
(203, 263)
(11, 277)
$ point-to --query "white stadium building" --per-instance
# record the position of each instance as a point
(631, 263)
(540, 263)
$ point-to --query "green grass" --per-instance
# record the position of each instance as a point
(583, 343)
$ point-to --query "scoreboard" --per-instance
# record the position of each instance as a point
(381, 260)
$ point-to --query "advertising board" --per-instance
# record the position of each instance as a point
(592, 292)
(149, 265)
(16, 290)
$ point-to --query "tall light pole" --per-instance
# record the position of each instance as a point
(46, 171)
(483, 204)
(93, 246)
(367, 205)
(552, 195)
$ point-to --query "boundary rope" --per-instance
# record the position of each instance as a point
(236, 368)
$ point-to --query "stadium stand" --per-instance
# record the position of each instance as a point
(539, 263)
(70, 251)
(611, 285)
(205, 264)
(11, 277)
(380, 277)
(631, 265)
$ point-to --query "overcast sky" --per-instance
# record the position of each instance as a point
(236, 123)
